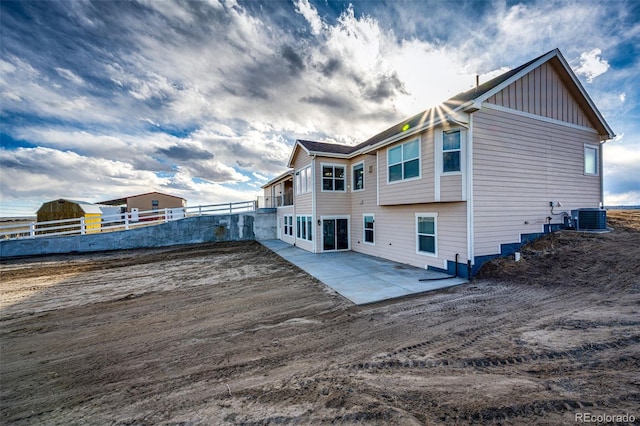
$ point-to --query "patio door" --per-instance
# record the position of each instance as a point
(335, 234)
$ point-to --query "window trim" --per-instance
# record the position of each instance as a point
(389, 182)
(334, 165)
(596, 150)
(435, 234)
(364, 229)
(353, 176)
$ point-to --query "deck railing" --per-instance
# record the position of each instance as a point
(118, 222)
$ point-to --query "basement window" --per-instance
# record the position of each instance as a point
(426, 237)
(304, 228)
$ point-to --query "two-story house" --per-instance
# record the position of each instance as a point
(457, 184)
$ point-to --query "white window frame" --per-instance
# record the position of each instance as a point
(459, 150)
(322, 178)
(434, 235)
(364, 229)
(302, 181)
(596, 150)
(403, 179)
(353, 176)
(304, 227)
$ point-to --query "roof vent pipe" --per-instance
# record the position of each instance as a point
(477, 81)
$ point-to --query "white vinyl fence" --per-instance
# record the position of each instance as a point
(118, 222)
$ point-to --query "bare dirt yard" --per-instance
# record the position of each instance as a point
(232, 334)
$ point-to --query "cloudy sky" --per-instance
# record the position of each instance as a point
(204, 99)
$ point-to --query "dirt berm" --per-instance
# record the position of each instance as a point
(232, 334)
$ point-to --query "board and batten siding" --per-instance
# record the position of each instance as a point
(412, 191)
(520, 164)
(542, 92)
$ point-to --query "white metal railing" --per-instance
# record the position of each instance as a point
(118, 222)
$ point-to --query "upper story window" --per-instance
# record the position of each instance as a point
(303, 180)
(591, 160)
(357, 174)
(403, 161)
(154, 204)
(333, 178)
(451, 151)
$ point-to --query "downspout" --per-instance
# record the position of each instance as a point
(601, 171)
(470, 224)
(313, 204)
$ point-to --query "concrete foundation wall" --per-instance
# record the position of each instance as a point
(202, 229)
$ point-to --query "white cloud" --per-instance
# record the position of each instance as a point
(591, 65)
(69, 75)
(310, 13)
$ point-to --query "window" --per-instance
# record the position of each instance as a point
(303, 180)
(288, 225)
(369, 237)
(333, 178)
(304, 227)
(451, 151)
(426, 233)
(404, 161)
(590, 160)
(154, 204)
(357, 173)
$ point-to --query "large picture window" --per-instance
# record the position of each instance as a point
(426, 237)
(333, 178)
(451, 151)
(590, 160)
(357, 173)
(403, 161)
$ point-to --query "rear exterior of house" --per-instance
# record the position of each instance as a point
(456, 185)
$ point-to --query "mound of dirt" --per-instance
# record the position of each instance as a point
(571, 258)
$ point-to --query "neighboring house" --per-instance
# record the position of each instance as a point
(468, 180)
(148, 201)
(62, 209)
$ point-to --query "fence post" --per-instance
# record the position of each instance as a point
(200, 210)
(166, 215)
(230, 208)
(32, 229)
(82, 226)
(126, 221)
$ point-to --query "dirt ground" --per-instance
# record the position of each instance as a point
(232, 334)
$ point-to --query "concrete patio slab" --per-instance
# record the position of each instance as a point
(361, 278)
